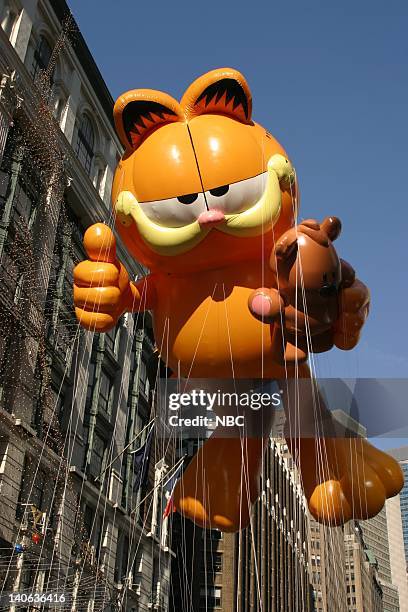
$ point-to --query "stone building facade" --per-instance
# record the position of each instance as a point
(74, 406)
(375, 533)
(397, 520)
(401, 455)
(327, 566)
(364, 591)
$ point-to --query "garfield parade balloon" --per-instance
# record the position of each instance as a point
(206, 199)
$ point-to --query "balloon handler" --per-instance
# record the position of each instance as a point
(202, 197)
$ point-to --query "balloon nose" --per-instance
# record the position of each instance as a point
(211, 217)
(328, 290)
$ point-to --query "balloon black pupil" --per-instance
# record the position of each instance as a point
(219, 191)
(191, 197)
(188, 199)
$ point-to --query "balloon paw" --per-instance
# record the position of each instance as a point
(363, 483)
(265, 304)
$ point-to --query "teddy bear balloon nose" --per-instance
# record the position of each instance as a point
(328, 290)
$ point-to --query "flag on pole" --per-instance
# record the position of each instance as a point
(168, 490)
(141, 458)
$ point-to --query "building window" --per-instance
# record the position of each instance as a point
(117, 576)
(212, 563)
(121, 561)
(89, 514)
(143, 379)
(105, 392)
(112, 339)
(92, 533)
(42, 56)
(138, 565)
(156, 583)
(210, 597)
(211, 534)
(27, 196)
(91, 383)
(92, 527)
(125, 560)
(85, 143)
(98, 455)
(9, 19)
(57, 401)
(217, 562)
(37, 492)
(27, 579)
(99, 537)
(32, 493)
(19, 288)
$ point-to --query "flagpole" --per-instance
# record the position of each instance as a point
(170, 503)
(169, 475)
(138, 449)
(124, 449)
(158, 485)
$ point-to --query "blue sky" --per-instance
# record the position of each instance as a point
(329, 80)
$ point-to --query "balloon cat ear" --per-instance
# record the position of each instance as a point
(223, 92)
(138, 112)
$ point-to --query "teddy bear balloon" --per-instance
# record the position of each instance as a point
(310, 276)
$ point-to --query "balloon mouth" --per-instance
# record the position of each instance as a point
(255, 221)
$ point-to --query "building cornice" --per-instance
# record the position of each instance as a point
(85, 58)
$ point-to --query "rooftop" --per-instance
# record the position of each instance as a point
(400, 454)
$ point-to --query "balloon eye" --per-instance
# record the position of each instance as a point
(219, 191)
(188, 199)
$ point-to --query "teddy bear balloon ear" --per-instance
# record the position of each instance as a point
(332, 227)
(286, 246)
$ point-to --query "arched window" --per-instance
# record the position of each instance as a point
(85, 143)
(9, 18)
(42, 56)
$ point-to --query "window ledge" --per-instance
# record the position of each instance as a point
(27, 428)
(75, 470)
